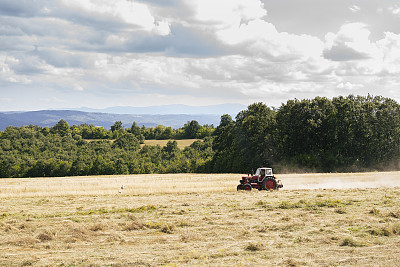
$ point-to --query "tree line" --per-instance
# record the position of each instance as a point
(33, 151)
(190, 130)
(352, 133)
(345, 134)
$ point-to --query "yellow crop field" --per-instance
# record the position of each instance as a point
(181, 143)
(200, 220)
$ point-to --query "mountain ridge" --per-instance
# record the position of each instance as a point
(174, 116)
(48, 118)
(174, 109)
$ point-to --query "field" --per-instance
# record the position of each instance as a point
(185, 220)
(181, 143)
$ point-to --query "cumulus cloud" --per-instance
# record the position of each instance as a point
(358, 55)
(162, 28)
(23, 8)
(137, 16)
(231, 50)
(225, 13)
(243, 28)
(350, 43)
(129, 12)
(195, 49)
(349, 86)
(390, 47)
(7, 73)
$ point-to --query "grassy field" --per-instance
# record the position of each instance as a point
(185, 220)
(181, 143)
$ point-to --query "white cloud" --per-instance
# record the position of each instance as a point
(354, 8)
(349, 86)
(137, 50)
(358, 56)
(130, 12)
(7, 74)
(162, 28)
(249, 32)
(245, 28)
(236, 76)
(226, 13)
(350, 43)
(395, 10)
(390, 47)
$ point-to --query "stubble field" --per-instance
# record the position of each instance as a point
(199, 219)
(181, 143)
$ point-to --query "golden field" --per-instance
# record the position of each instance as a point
(181, 143)
(201, 220)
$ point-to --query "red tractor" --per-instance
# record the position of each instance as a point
(262, 180)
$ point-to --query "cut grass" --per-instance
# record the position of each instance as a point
(210, 225)
(145, 184)
(349, 241)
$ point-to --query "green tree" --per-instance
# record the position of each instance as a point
(127, 141)
(117, 126)
(247, 143)
(158, 132)
(168, 133)
(62, 128)
(137, 132)
(117, 129)
(191, 129)
(223, 145)
(305, 132)
(121, 167)
(171, 150)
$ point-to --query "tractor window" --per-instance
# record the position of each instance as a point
(269, 172)
(263, 172)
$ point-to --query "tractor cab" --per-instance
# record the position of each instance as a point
(263, 172)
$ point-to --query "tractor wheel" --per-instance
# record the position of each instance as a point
(239, 187)
(247, 187)
(269, 184)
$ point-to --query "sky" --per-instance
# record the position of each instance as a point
(103, 53)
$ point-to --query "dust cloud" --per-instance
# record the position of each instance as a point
(340, 180)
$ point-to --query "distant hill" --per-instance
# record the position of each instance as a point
(49, 118)
(6, 120)
(231, 109)
(174, 116)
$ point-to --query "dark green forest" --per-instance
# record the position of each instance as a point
(343, 134)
